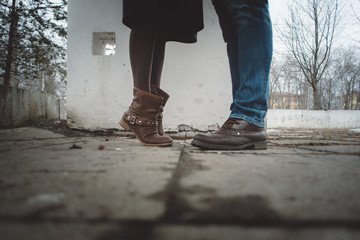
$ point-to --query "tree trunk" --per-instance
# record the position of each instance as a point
(10, 47)
(346, 102)
(317, 100)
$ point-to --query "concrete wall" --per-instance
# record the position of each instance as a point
(100, 87)
(313, 119)
(195, 75)
(19, 107)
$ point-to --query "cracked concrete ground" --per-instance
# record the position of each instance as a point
(83, 186)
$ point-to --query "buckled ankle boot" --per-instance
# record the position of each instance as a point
(141, 118)
(165, 97)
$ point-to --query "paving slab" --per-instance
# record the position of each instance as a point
(214, 232)
(272, 186)
(337, 149)
(72, 177)
(26, 133)
(113, 231)
(88, 186)
(54, 231)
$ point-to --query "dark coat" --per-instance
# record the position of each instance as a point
(182, 19)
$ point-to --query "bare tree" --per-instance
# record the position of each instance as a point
(356, 14)
(287, 87)
(275, 84)
(347, 72)
(309, 35)
(330, 93)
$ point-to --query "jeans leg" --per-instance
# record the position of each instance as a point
(247, 29)
(230, 37)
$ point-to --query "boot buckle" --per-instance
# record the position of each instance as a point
(131, 119)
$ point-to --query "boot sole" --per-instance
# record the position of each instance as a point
(128, 128)
(261, 145)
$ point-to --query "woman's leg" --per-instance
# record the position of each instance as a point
(143, 42)
(158, 58)
(146, 57)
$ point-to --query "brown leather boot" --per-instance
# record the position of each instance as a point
(165, 97)
(235, 134)
(141, 118)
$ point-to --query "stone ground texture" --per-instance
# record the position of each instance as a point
(57, 183)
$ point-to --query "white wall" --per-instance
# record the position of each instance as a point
(100, 87)
(195, 75)
(313, 119)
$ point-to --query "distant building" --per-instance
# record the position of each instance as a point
(351, 101)
(286, 101)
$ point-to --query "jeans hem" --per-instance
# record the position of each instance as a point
(248, 119)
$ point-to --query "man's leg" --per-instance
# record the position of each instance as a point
(230, 37)
(253, 28)
(247, 30)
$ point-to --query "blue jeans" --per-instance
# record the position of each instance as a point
(247, 30)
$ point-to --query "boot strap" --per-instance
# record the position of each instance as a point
(136, 120)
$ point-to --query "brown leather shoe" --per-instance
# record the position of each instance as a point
(235, 134)
(141, 118)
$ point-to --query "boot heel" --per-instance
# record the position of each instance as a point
(125, 125)
(260, 145)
